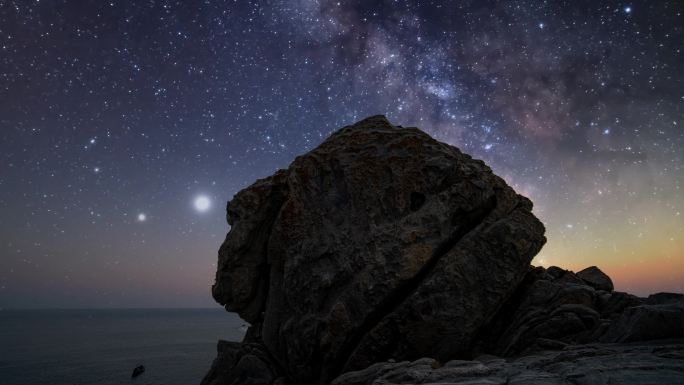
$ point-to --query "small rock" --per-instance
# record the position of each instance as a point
(138, 371)
(595, 278)
(556, 272)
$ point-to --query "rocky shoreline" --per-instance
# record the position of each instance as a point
(383, 246)
(655, 362)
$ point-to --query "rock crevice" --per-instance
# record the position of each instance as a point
(464, 225)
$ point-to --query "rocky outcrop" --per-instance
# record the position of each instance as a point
(381, 243)
(384, 245)
(594, 364)
(648, 322)
(553, 308)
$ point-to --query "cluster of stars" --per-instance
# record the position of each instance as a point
(153, 114)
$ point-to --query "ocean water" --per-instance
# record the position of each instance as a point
(91, 347)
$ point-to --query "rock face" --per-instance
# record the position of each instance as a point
(648, 322)
(595, 364)
(553, 308)
(381, 243)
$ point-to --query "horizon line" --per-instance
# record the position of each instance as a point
(111, 308)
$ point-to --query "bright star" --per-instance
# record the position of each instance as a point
(142, 217)
(202, 203)
(628, 9)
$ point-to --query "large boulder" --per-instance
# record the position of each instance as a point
(381, 243)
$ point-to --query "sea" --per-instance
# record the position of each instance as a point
(102, 347)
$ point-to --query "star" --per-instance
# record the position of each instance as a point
(142, 217)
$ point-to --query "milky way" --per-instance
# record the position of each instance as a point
(115, 117)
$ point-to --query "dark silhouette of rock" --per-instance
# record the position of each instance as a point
(555, 307)
(648, 322)
(224, 362)
(663, 298)
(613, 304)
(138, 370)
(384, 245)
(380, 243)
(242, 363)
(595, 278)
(594, 364)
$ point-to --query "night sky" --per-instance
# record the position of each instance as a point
(126, 126)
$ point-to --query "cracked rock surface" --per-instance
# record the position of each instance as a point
(381, 243)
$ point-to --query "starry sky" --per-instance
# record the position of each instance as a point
(125, 126)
